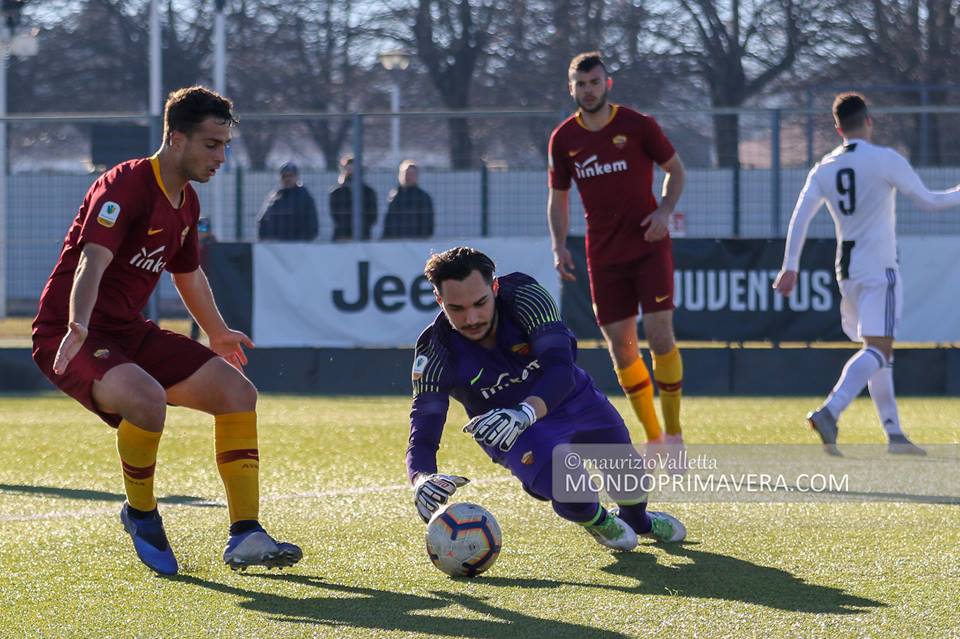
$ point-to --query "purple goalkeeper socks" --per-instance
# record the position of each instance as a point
(637, 517)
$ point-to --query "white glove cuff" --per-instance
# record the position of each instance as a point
(528, 411)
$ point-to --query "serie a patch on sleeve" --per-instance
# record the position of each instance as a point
(109, 213)
(419, 365)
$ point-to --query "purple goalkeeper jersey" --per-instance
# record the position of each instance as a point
(534, 354)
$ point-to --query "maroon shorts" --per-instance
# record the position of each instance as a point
(168, 357)
(619, 290)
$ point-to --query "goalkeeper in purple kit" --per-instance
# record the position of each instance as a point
(500, 348)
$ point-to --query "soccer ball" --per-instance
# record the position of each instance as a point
(463, 539)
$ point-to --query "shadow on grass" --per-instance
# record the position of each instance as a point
(100, 495)
(712, 576)
(357, 607)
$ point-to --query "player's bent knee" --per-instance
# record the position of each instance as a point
(882, 344)
(245, 394)
(623, 359)
(661, 340)
(146, 407)
(134, 395)
(238, 393)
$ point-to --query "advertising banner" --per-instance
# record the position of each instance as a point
(369, 294)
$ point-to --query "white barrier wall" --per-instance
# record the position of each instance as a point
(365, 295)
(374, 295)
(931, 289)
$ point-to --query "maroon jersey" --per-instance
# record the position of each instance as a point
(613, 168)
(127, 211)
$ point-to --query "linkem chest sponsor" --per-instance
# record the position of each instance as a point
(591, 167)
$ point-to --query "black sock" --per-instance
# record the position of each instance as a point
(244, 525)
(141, 514)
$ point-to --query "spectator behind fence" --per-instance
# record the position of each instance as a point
(410, 209)
(341, 204)
(289, 213)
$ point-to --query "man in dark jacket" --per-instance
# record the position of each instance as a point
(341, 204)
(410, 209)
(289, 213)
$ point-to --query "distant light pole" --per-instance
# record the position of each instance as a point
(219, 187)
(395, 62)
(155, 105)
(21, 45)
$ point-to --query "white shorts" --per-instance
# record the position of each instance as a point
(871, 306)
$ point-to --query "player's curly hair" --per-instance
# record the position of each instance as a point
(457, 264)
(850, 111)
(186, 108)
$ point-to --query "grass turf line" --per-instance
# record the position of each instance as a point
(333, 481)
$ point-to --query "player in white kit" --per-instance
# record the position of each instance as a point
(859, 181)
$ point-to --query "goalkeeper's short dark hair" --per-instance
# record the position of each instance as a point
(186, 108)
(850, 111)
(457, 264)
(586, 62)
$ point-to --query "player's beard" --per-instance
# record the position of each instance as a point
(601, 102)
(486, 333)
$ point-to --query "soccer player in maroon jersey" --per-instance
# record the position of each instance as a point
(92, 341)
(610, 150)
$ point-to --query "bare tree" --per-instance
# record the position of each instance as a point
(737, 48)
(530, 52)
(450, 38)
(97, 51)
(908, 46)
(322, 69)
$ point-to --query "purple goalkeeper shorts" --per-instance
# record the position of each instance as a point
(600, 423)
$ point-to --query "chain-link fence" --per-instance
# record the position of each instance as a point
(484, 172)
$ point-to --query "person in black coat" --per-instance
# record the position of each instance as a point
(341, 204)
(289, 213)
(410, 209)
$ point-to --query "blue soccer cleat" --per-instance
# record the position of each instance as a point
(150, 541)
(257, 548)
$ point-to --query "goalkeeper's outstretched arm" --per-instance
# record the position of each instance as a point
(427, 417)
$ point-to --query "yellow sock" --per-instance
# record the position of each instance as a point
(138, 458)
(668, 371)
(635, 380)
(238, 461)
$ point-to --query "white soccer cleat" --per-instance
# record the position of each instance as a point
(614, 533)
(257, 548)
(665, 528)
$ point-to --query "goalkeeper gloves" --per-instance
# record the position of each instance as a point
(501, 427)
(432, 491)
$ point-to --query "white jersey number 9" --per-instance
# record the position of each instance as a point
(847, 188)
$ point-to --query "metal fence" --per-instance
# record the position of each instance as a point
(484, 170)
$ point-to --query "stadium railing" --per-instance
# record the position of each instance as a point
(485, 171)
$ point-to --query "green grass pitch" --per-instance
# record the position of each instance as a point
(333, 481)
